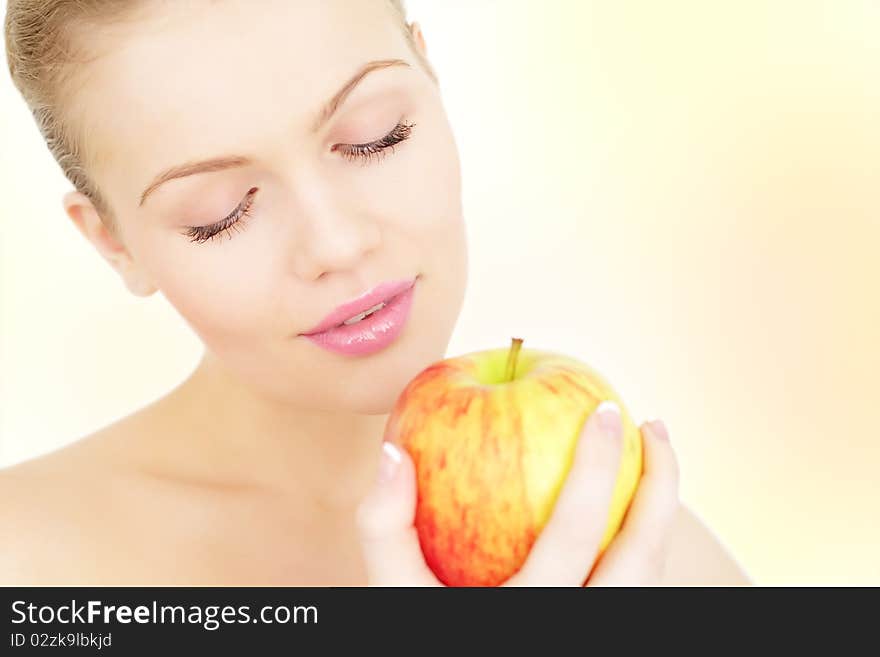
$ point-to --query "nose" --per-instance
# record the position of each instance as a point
(332, 238)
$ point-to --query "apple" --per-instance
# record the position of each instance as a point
(492, 435)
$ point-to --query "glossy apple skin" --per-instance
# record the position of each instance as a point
(491, 458)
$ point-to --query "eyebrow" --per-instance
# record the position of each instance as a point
(235, 161)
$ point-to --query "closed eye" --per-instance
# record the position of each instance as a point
(242, 210)
(378, 148)
(364, 152)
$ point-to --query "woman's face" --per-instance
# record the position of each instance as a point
(248, 83)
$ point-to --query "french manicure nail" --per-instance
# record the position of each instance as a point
(659, 429)
(609, 418)
(389, 463)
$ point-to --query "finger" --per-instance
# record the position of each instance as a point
(566, 548)
(384, 518)
(637, 555)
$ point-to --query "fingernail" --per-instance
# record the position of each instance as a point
(609, 418)
(389, 463)
(659, 429)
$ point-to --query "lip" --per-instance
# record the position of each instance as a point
(382, 292)
(373, 333)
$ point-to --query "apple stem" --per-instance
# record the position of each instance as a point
(510, 369)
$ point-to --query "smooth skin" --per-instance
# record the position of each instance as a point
(82, 515)
(252, 470)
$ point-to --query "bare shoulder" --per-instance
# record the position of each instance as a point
(696, 556)
(51, 510)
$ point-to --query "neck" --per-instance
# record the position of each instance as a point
(235, 437)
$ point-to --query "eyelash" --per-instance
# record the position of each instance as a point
(366, 152)
(201, 234)
(378, 148)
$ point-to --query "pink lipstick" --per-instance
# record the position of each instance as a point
(367, 324)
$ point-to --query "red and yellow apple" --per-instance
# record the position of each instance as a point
(492, 435)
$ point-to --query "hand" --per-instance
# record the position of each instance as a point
(565, 553)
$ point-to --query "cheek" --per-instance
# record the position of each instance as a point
(430, 193)
(224, 292)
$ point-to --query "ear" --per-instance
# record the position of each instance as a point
(87, 220)
(419, 38)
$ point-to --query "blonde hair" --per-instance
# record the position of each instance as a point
(39, 50)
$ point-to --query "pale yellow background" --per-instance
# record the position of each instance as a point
(682, 193)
